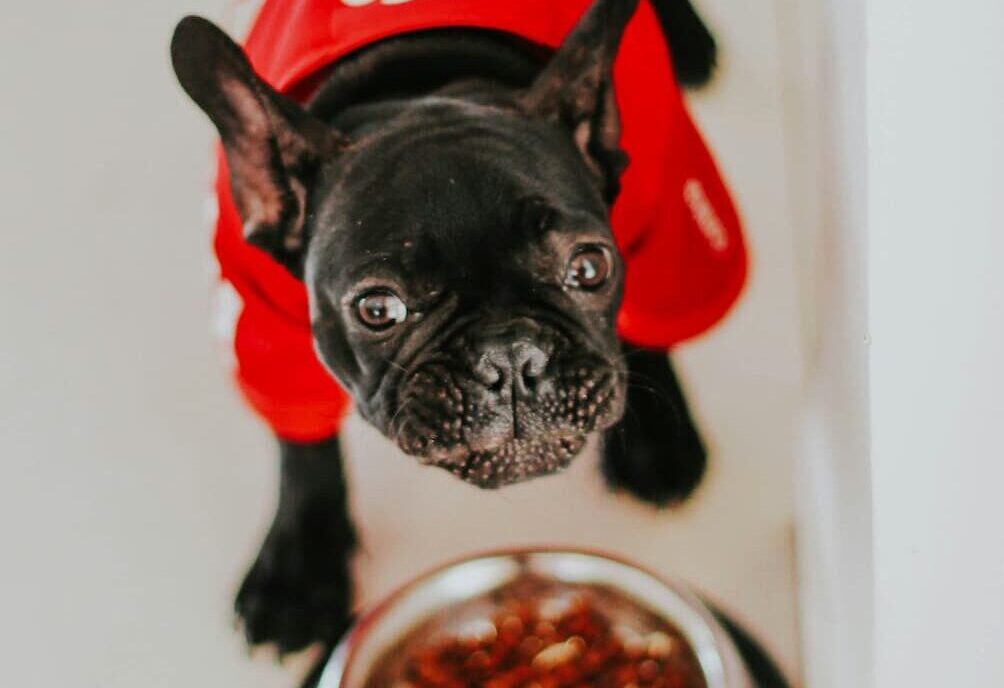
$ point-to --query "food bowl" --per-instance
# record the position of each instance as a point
(458, 599)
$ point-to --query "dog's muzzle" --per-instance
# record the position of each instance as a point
(506, 406)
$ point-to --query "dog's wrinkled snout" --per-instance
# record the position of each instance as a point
(517, 365)
(505, 401)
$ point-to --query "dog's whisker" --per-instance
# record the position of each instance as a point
(394, 364)
(392, 423)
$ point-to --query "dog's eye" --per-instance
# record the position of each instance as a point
(381, 309)
(589, 268)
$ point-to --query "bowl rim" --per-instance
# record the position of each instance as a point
(718, 656)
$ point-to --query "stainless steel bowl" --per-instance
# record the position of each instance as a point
(454, 584)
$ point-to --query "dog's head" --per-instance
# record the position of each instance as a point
(462, 275)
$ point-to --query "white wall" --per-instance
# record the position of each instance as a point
(936, 300)
(834, 474)
(134, 485)
(904, 413)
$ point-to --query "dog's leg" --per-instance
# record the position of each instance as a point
(656, 452)
(694, 50)
(299, 589)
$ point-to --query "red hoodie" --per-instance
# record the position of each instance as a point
(674, 221)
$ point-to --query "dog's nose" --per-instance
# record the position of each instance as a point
(520, 364)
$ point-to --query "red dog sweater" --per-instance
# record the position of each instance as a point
(674, 221)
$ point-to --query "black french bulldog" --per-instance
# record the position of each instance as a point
(445, 199)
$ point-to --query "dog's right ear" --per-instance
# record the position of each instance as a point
(576, 89)
(273, 146)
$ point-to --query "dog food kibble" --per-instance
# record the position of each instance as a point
(586, 638)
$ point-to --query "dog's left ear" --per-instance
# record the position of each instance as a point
(273, 146)
(576, 89)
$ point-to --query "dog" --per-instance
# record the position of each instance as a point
(444, 198)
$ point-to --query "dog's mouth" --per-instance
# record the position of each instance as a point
(515, 461)
(493, 437)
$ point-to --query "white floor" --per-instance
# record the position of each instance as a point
(135, 487)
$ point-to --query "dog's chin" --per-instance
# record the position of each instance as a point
(513, 462)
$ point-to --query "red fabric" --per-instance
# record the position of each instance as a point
(674, 220)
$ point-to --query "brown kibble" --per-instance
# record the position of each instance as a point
(660, 645)
(537, 645)
(479, 630)
(479, 661)
(635, 647)
(648, 670)
(530, 646)
(512, 626)
(625, 674)
(544, 629)
(555, 655)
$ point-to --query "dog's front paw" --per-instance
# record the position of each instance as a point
(298, 591)
(659, 462)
